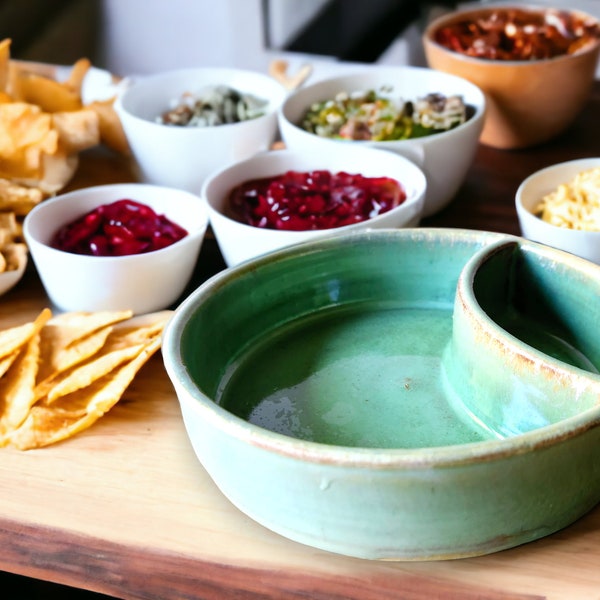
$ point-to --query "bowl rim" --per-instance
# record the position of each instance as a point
(428, 39)
(135, 83)
(319, 453)
(191, 236)
(478, 115)
(418, 197)
(524, 212)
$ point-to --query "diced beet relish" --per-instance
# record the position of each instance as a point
(120, 228)
(296, 201)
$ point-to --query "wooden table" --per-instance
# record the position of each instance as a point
(126, 509)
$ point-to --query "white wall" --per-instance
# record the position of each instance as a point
(145, 36)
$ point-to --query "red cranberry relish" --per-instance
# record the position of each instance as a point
(297, 201)
(121, 228)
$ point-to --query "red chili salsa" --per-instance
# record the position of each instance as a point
(518, 34)
(302, 201)
(120, 228)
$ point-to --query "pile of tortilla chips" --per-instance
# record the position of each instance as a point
(44, 125)
(60, 374)
(13, 251)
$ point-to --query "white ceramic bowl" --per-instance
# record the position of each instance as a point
(141, 282)
(183, 156)
(239, 242)
(581, 243)
(444, 157)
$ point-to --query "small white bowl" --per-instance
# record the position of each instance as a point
(585, 244)
(444, 157)
(141, 282)
(183, 156)
(239, 242)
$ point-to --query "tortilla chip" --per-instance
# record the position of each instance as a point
(78, 72)
(125, 340)
(50, 95)
(84, 374)
(70, 338)
(14, 338)
(112, 134)
(77, 130)
(17, 386)
(15, 256)
(137, 330)
(71, 414)
(4, 63)
(18, 198)
(7, 361)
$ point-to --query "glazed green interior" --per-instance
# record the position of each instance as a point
(547, 369)
(554, 308)
(339, 342)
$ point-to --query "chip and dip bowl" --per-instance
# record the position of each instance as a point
(411, 394)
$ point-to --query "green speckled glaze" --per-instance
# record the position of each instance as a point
(525, 351)
(367, 378)
(401, 371)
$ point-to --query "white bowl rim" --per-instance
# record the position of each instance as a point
(190, 237)
(134, 83)
(578, 165)
(410, 200)
(478, 115)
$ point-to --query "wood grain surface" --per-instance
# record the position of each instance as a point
(126, 509)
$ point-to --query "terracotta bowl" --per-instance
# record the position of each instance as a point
(381, 394)
(528, 102)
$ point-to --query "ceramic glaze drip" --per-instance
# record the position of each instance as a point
(364, 379)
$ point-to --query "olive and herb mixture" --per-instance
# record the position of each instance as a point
(220, 105)
(377, 116)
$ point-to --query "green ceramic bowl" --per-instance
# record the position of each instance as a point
(328, 391)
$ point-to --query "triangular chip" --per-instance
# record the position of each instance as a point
(112, 134)
(50, 95)
(71, 414)
(77, 129)
(91, 370)
(70, 338)
(123, 342)
(7, 361)
(137, 330)
(17, 385)
(13, 338)
(78, 72)
(4, 63)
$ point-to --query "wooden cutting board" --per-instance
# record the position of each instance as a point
(126, 509)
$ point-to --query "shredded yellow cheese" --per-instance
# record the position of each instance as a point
(574, 205)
